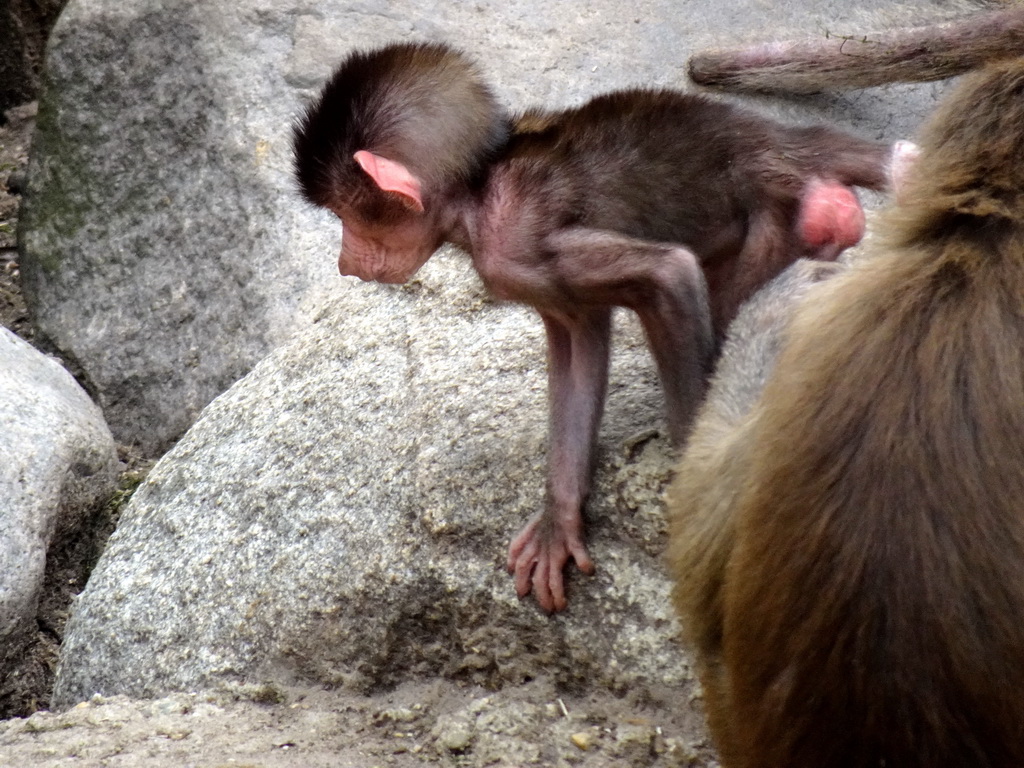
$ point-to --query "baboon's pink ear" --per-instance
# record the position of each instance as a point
(391, 177)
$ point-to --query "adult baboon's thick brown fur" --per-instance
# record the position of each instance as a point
(849, 555)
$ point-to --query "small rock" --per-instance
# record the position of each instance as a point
(454, 735)
(634, 743)
(582, 740)
(16, 182)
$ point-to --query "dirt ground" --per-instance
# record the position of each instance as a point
(424, 723)
(435, 722)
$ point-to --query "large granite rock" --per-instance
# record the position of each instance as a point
(341, 515)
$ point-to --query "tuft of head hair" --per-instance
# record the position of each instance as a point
(420, 104)
(971, 167)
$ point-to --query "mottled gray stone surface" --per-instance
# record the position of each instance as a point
(165, 250)
(57, 460)
(342, 514)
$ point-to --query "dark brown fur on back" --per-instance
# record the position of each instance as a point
(854, 583)
(684, 168)
(679, 167)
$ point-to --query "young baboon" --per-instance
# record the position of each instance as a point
(673, 205)
(849, 552)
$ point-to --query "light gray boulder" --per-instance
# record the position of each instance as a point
(341, 515)
(57, 461)
(164, 249)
